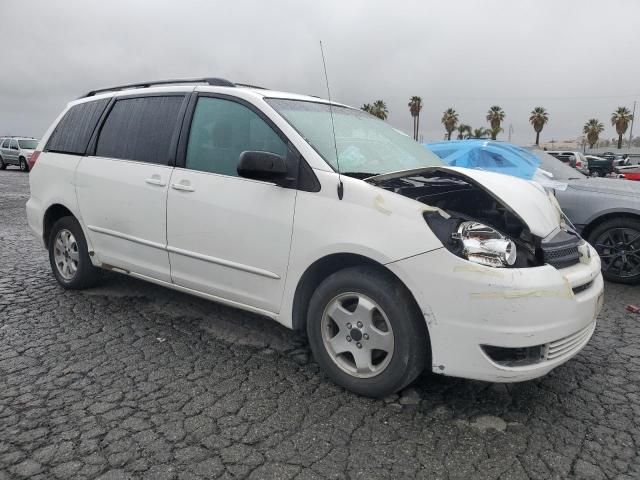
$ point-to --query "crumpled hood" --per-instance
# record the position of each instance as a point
(613, 186)
(527, 199)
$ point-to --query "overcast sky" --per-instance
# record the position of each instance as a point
(577, 58)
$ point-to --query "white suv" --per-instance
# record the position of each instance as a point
(389, 260)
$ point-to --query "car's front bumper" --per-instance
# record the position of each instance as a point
(467, 306)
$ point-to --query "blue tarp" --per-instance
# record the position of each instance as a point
(488, 155)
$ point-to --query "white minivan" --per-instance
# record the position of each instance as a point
(321, 217)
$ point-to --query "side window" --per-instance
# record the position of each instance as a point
(74, 130)
(140, 129)
(221, 130)
(5, 144)
(14, 145)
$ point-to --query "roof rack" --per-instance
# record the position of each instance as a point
(216, 82)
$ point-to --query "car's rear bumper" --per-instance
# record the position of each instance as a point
(468, 306)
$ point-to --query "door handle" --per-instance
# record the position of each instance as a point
(183, 187)
(155, 180)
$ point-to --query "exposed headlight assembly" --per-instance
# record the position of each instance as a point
(485, 245)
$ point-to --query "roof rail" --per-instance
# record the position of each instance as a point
(217, 82)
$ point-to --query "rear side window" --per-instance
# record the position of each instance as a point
(73, 132)
(140, 129)
(5, 144)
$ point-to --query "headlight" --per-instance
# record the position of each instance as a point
(484, 245)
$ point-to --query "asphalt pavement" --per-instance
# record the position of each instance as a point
(132, 380)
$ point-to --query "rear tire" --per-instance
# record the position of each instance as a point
(69, 256)
(617, 241)
(24, 166)
(2, 164)
(352, 312)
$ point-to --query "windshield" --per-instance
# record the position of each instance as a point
(366, 145)
(560, 170)
(28, 144)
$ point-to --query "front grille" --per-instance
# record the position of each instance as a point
(567, 345)
(526, 356)
(561, 251)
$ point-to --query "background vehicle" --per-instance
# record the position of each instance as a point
(245, 196)
(576, 160)
(598, 166)
(16, 151)
(605, 210)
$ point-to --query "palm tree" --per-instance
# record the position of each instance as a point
(539, 117)
(495, 116)
(450, 121)
(367, 108)
(379, 109)
(480, 133)
(494, 131)
(415, 105)
(464, 131)
(592, 129)
(620, 119)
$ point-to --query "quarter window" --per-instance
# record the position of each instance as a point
(140, 129)
(221, 130)
(74, 130)
(5, 144)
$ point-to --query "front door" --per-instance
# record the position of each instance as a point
(122, 189)
(229, 236)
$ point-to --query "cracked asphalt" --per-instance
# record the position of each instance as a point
(131, 380)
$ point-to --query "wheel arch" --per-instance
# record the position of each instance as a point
(320, 270)
(54, 213)
(599, 220)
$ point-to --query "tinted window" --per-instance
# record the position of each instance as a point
(5, 144)
(14, 145)
(73, 132)
(28, 144)
(140, 129)
(221, 130)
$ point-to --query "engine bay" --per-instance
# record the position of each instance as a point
(455, 199)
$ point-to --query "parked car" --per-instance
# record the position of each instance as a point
(576, 160)
(619, 160)
(389, 260)
(630, 172)
(605, 210)
(598, 166)
(16, 151)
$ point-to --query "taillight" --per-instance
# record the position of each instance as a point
(33, 159)
(578, 164)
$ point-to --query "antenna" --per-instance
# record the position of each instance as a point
(333, 127)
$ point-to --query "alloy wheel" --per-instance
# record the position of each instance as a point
(66, 254)
(619, 250)
(357, 335)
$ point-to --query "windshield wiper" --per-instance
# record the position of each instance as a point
(359, 175)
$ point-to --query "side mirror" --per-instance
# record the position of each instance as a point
(263, 166)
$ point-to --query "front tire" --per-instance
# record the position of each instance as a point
(366, 331)
(24, 166)
(617, 241)
(69, 256)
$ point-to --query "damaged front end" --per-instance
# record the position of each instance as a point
(484, 217)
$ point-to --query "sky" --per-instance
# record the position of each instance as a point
(576, 58)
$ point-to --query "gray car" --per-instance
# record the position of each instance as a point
(606, 211)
